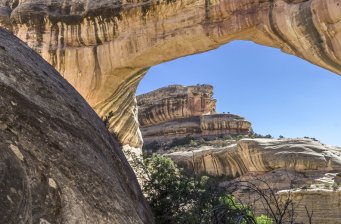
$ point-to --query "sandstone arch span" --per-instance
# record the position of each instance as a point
(104, 47)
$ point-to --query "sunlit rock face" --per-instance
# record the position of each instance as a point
(175, 102)
(313, 190)
(58, 162)
(259, 155)
(305, 168)
(104, 47)
(178, 111)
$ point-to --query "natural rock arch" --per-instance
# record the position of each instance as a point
(104, 47)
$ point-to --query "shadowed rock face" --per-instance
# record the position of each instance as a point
(58, 163)
(104, 47)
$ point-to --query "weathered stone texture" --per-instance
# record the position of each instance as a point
(311, 189)
(305, 168)
(58, 162)
(179, 111)
(173, 102)
(259, 155)
(103, 47)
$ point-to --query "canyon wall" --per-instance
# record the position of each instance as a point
(58, 162)
(104, 47)
(176, 111)
(173, 102)
(259, 155)
(303, 170)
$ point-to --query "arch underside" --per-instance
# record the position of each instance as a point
(104, 47)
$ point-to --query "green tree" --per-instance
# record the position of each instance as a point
(176, 197)
(263, 219)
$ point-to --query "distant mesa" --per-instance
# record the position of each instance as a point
(178, 111)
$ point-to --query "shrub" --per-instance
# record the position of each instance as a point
(107, 118)
(176, 197)
(181, 141)
(314, 139)
(255, 135)
(335, 186)
(263, 219)
(153, 146)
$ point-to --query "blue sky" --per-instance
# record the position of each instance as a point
(279, 93)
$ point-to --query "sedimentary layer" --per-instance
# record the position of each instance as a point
(309, 190)
(205, 126)
(259, 155)
(176, 112)
(58, 162)
(305, 171)
(174, 102)
(104, 47)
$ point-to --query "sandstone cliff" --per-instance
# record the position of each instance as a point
(104, 47)
(58, 163)
(178, 111)
(259, 155)
(302, 168)
(173, 102)
(314, 190)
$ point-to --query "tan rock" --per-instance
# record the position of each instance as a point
(205, 126)
(173, 102)
(103, 47)
(325, 205)
(313, 190)
(178, 111)
(303, 169)
(259, 155)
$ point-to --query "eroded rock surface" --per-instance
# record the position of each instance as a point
(302, 169)
(259, 155)
(173, 102)
(104, 47)
(58, 162)
(313, 190)
(178, 111)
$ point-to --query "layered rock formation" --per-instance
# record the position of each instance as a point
(259, 155)
(174, 102)
(302, 169)
(314, 190)
(104, 47)
(58, 162)
(177, 111)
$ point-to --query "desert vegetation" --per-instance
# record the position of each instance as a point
(176, 196)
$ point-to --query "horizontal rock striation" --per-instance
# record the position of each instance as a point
(259, 155)
(177, 111)
(58, 162)
(304, 170)
(103, 47)
(173, 102)
(314, 190)
(205, 126)
(325, 205)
